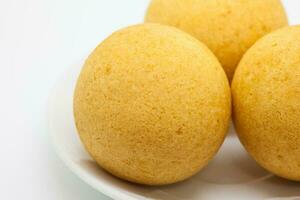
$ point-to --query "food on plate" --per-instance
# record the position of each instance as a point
(152, 104)
(266, 102)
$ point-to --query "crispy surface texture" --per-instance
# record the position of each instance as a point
(152, 104)
(266, 99)
(227, 27)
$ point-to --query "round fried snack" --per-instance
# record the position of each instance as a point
(266, 99)
(152, 104)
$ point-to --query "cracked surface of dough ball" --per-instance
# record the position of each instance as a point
(152, 104)
(266, 102)
(227, 27)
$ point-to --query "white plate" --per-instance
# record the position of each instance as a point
(231, 175)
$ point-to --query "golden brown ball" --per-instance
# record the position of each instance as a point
(227, 27)
(266, 98)
(152, 104)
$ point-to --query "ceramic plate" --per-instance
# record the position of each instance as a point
(231, 175)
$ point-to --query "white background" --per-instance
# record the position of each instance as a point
(39, 40)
